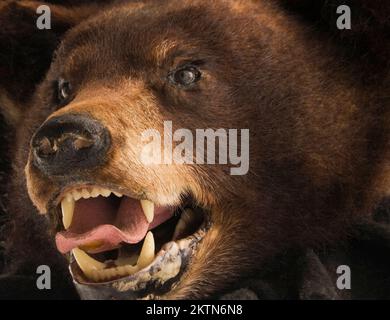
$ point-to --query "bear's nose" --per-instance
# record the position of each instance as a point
(70, 143)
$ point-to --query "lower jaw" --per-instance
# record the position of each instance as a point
(151, 282)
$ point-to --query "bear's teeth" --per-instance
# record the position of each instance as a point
(185, 219)
(95, 193)
(67, 208)
(117, 194)
(96, 271)
(148, 209)
(147, 252)
(86, 263)
(76, 195)
(105, 192)
(68, 202)
(85, 194)
(107, 274)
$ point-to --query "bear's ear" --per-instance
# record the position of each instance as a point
(26, 50)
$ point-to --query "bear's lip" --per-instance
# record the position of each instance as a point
(87, 246)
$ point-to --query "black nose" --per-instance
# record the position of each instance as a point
(70, 143)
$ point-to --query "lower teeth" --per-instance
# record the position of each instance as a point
(107, 274)
(128, 264)
(98, 271)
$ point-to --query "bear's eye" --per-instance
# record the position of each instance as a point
(64, 90)
(185, 76)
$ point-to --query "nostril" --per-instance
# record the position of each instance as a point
(69, 143)
(45, 148)
(82, 143)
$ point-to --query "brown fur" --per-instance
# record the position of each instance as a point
(319, 135)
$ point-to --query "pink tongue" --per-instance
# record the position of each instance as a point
(100, 220)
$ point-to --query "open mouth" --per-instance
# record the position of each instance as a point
(110, 237)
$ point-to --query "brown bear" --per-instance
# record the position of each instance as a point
(83, 93)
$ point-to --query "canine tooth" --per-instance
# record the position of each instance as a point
(67, 208)
(181, 225)
(148, 209)
(147, 252)
(86, 263)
